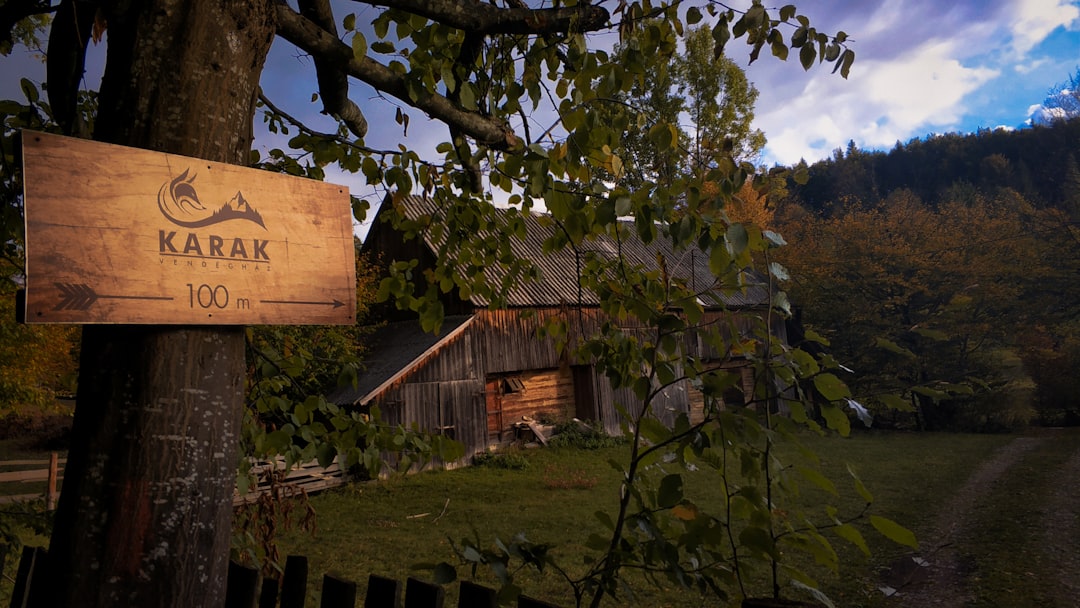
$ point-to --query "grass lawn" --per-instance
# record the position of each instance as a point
(386, 527)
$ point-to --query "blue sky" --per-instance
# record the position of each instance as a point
(922, 67)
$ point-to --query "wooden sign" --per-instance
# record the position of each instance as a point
(123, 235)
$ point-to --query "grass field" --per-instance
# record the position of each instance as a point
(1017, 547)
(386, 527)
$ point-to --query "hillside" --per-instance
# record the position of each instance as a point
(1042, 164)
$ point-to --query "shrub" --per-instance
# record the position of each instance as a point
(510, 462)
(578, 435)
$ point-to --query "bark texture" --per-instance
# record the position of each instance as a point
(145, 513)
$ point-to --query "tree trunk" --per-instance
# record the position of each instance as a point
(145, 513)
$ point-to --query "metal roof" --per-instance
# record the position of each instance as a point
(397, 348)
(558, 270)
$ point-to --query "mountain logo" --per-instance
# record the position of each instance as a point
(180, 204)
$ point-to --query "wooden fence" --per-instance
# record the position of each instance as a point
(309, 477)
(51, 475)
(247, 589)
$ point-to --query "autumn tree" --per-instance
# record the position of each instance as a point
(37, 363)
(145, 511)
(922, 303)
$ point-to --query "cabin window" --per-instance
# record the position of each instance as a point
(513, 384)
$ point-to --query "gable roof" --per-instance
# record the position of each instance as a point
(397, 349)
(558, 270)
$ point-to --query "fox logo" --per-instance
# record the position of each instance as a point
(180, 204)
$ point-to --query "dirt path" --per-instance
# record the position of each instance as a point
(939, 575)
(1060, 527)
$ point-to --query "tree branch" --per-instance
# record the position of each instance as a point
(333, 82)
(482, 18)
(324, 46)
(14, 11)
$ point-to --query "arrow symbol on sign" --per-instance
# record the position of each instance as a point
(80, 296)
(335, 303)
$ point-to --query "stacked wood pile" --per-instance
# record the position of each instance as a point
(308, 478)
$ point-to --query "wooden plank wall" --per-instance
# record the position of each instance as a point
(453, 407)
(697, 398)
(507, 341)
(448, 390)
(453, 361)
(549, 391)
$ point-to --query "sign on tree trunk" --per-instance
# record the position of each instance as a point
(123, 235)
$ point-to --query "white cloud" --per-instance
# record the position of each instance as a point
(883, 101)
(1033, 20)
(1027, 68)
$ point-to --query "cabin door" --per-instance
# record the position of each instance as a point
(493, 400)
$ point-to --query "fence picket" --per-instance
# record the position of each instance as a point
(32, 558)
(422, 594)
(382, 592)
(245, 588)
(525, 601)
(241, 586)
(268, 596)
(294, 582)
(337, 593)
(471, 595)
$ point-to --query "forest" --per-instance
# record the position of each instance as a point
(945, 274)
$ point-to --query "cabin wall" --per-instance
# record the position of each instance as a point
(532, 394)
(454, 390)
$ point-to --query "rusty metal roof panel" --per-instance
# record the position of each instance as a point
(559, 270)
(394, 350)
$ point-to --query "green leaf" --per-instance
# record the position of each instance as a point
(815, 477)
(663, 136)
(893, 347)
(325, 454)
(845, 62)
(470, 554)
(807, 55)
(29, 90)
(779, 50)
(758, 541)
(671, 491)
(933, 334)
(444, 574)
(359, 46)
(831, 387)
(926, 391)
(851, 534)
(836, 418)
(860, 487)
(693, 15)
(383, 47)
(654, 431)
(774, 239)
(896, 402)
(597, 542)
(738, 239)
(720, 35)
(467, 96)
(779, 271)
(894, 531)
(349, 22)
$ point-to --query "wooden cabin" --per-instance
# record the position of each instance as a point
(487, 368)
